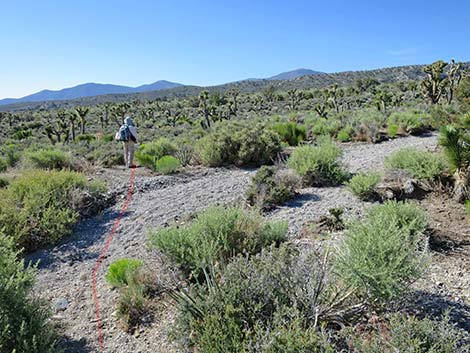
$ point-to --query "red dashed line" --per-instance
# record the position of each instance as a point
(103, 253)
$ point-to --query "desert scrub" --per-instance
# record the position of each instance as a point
(245, 307)
(239, 144)
(271, 186)
(411, 122)
(167, 165)
(40, 207)
(392, 130)
(3, 165)
(149, 153)
(291, 133)
(215, 236)
(422, 165)
(120, 271)
(344, 135)
(136, 285)
(48, 159)
(318, 165)
(385, 252)
(363, 185)
(24, 319)
(403, 333)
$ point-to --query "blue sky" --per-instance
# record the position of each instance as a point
(57, 44)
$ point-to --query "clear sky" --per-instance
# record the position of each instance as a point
(56, 44)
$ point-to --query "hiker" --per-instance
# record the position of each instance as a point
(128, 135)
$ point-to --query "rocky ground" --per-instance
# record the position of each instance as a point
(64, 275)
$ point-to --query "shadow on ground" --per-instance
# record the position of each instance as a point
(433, 306)
(74, 248)
(69, 345)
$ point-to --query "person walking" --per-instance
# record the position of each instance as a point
(128, 135)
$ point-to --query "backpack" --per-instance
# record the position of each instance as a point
(124, 134)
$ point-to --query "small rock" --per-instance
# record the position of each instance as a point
(61, 305)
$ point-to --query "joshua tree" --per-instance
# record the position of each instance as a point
(205, 108)
(119, 111)
(382, 99)
(435, 82)
(321, 110)
(463, 92)
(233, 104)
(269, 93)
(82, 113)
(456, 143)
(295, 97)
(454, 76)
(72, 119)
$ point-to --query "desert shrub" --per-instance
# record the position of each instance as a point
(246, 307)
(121, 270)
(318, 165)
(233, 143)
(215, 236)
(363, 185)
(382, 254)
(132, 303)
(467, 206)
(167, 165)
(344, 135)
(271, 186)
(149, 153)
(48, 159)
(4, 181)
(291, 132)
(392, 130)
(86, 138)
(411, 122)
(12, 154)
(3, 165)
(403, 333)
(185, 154)
(422, 165)
(327, 127)
(24, 323)
(104, 153)
(40, 207)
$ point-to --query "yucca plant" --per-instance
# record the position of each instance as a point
(456, 143)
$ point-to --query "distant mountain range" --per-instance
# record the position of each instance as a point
(96, 89)
(89, 90)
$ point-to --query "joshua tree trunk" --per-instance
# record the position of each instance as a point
(462, 185)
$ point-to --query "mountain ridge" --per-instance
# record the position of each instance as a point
(91, 89)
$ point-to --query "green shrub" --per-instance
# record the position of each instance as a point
(239, 144)
(422, 165)
(410, 121)
(328, 127)
(392, 130)
(48, 159)
(167, 165)
(12, 154)
(404, 333)
(291, 133)
(318, 165)
(3, 165)
(467, 206)
(86, 138)
(382, 254)
(148, 154)
(270, 187)
(185, 154)
(215, 236)
(4, 181)
(40, 207)
(104, 153)
(121, 270)
(24, 323)
(263, 303)
(344, 135)
(363, 185)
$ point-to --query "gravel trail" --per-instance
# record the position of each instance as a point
(64, 275)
